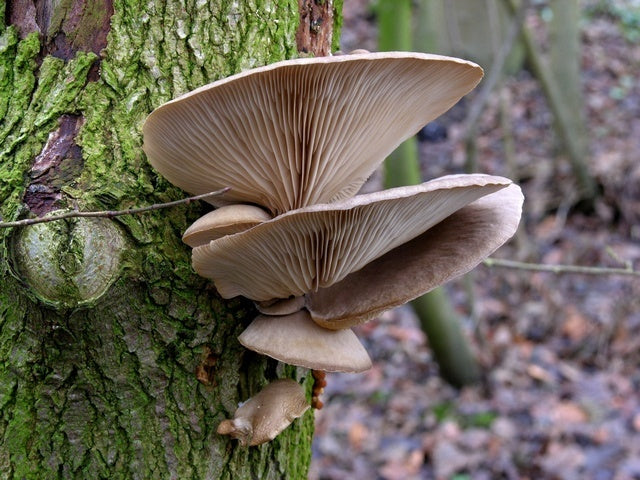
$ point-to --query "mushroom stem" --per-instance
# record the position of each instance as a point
(281, 306)
(238, 428)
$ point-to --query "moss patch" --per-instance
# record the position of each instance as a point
(110, 391)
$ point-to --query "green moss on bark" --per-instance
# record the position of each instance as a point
(33, 98)
(337, 24)
(110, 390)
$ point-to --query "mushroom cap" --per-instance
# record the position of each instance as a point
(262, 417)
(223, 221)
(301, 132)
(451, 248)
(295, 339)
(314, 247)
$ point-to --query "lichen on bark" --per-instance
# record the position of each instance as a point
(110, 390)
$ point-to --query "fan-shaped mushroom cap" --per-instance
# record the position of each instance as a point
(301, 132)
(223, 221)
(451, 248)
(311, 248)
(295, 339)
(262, 417)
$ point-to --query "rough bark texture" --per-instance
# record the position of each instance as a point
(315, 33)
(128, 378)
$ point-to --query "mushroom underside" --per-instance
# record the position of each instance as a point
(299, 133)
(313, 248)
(451, 248)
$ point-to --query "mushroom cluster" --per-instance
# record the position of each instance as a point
(295, 141)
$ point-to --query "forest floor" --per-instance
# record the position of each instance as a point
(560, 398)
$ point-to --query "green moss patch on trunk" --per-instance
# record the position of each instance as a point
(110, 390)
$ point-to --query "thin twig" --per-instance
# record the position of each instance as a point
(557, 269)
(110, 213)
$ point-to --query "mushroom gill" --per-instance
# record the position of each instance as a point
(301, 132)
(314, 247)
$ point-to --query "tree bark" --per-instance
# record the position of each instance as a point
(116, 359)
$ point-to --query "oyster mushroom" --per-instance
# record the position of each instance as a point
(352, 260)
(315, 247)
(449, 249)
(261, 418)
(298, 138)
(297, 340)
(223, 221)
(301, 132)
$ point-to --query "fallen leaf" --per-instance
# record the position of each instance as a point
(358, 433)
(568, 412)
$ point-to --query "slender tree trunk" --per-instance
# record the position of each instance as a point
(565, 64)
(117, 361)
(564, 116)
(437, 317)
(394, 33)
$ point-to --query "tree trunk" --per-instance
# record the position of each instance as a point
(577, 149)
(117, 361)
(566, 66)
(465, 28)
(394, 33)
(437, 317)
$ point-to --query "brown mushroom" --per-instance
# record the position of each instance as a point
(297, 340)
(298, 138)
(313, 248)
(449, 249)
(301, 132)
(353, 259)
(261, 418)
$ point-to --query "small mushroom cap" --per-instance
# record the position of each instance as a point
(312, 248)
(223, 221)
(301, 132)
(261, 418)
(451, 248)
(295, 339)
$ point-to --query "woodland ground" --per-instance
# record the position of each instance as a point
(561, 353)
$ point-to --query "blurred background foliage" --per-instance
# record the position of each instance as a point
(558, 390)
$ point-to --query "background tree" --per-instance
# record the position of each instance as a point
(117, 360)
(472, 29)
(437, 317)
(484, 32)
